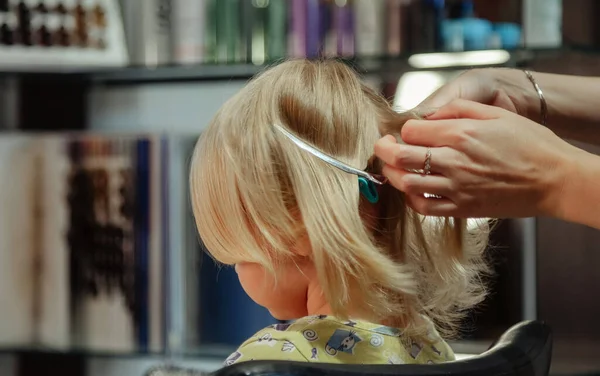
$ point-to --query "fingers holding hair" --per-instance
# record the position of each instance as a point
(411, 157)
(444, 126)
(416, 184)
(418, 190)
(432, 133)
(435, 207)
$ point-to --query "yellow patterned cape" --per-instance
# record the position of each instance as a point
(327, 339)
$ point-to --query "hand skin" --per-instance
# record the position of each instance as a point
(487, 161)
(573, 102)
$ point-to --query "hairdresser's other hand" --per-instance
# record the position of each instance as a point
(499, 87)
(485, 162)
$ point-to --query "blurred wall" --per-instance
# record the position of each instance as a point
(178, 108)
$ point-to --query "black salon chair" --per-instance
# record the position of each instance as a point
(524, 350)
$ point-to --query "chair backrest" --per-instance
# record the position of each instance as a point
(524, 350)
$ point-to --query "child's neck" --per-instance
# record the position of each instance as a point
(316, 304)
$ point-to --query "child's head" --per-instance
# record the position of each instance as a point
(295, 226)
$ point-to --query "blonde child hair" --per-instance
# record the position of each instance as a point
(254, 193)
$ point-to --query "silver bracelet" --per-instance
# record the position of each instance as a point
(543, 105)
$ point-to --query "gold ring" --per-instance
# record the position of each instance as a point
(427, 167)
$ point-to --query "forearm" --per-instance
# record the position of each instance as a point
(580, 194)
(573, 104)
(573, 113)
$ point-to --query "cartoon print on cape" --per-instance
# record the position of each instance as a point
(281, 327)
(313, 353)
(376, 340)
(415, 350)
(288, 347)
(266, 339)
(310, 335)
(342, 340)
(231, 359)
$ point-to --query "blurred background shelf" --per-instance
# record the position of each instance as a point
(381, 65)
(378, 65)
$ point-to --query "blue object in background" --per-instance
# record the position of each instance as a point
(462, 31)
(227, 315)
(477, 33)
(141, 246)
(509, 33)
(452, 35)
(438, 9)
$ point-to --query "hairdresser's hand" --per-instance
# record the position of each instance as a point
(485, 162)
(500, 87)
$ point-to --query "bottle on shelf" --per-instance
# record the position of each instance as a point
(8, 29)
(370, 28)
(23, 12)
(542, 23)
(64, 31)
(4, 30)
(99, 16)
(188, 21)
(58, 35)
(41, 35)
(60, 8)
(81, 25)
(41, 7)
(97, 24)
(70, 21)
(34, 24)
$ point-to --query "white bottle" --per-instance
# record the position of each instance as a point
(542, 23)
(68, 20)
(147, 25)
(370, 27)
(188, 20)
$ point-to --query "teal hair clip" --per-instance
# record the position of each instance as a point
(366, 181)
(368, 190)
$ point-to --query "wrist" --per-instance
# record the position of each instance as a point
(522, 93)
(578, 194)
